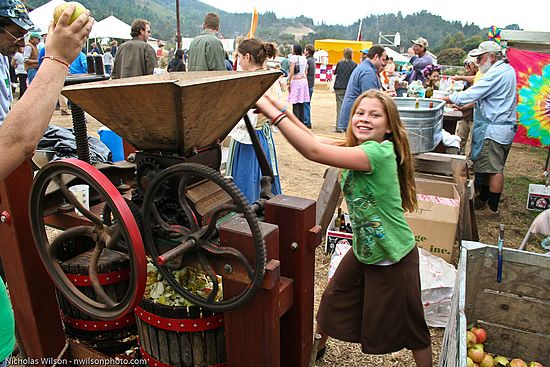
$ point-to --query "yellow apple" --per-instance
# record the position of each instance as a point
(61, 8)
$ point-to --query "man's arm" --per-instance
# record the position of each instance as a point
(420, 63)
(25, 123)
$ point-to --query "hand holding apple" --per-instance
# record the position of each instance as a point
(66, 36)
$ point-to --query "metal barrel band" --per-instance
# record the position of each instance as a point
(154, 363)
(186, 325)
(89, 325)
(104, 279)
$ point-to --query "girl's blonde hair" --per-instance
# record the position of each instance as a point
(398, 136)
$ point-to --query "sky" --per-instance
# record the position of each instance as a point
(346, 12)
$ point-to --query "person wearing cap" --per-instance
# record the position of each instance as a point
(14, 25)
(495, 123)
(419, 59)
(363, 77)
(364, 54)
(25, 124)
(30, 55)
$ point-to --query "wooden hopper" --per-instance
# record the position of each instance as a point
(173, 112)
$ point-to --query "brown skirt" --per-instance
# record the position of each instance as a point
(377, 306)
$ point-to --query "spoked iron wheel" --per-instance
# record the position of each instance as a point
(196, 242)
(123, 235)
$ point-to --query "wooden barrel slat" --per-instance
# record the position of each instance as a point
(197, 340)
(220, 345)
(181, 349)
(210, 342)
(111, 341)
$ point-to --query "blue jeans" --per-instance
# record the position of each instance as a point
(31, 73)
(307, 109)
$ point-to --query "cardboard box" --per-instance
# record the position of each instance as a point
(334, 236)
(434, 224)
(539, 197)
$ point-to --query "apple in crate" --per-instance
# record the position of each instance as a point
(500, 361)
(535, 364)
(516, 362)
(481, 334)
(471, 339)
(487, 361)
(476, 353)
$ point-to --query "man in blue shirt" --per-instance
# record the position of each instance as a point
(364, 77)
(495, 122)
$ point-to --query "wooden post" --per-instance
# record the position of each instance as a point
(298, 238)
(31, 290)
(252, 331)
(330, 197)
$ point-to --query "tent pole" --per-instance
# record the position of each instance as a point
(178, 31)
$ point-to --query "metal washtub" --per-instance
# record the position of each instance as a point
(423, 124)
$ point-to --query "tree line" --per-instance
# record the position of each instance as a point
(449, 40)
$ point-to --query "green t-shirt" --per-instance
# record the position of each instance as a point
(7, 324)
(380, 231)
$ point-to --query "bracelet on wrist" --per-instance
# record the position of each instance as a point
(56, 59)
(277, 118)
(284, 108)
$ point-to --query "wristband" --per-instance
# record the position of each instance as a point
(56, 59)
(277, 118)
(284, 108)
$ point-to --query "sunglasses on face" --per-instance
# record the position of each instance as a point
(15, 39)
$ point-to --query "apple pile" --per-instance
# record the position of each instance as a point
(477, 357)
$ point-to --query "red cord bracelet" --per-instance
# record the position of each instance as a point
(57, 59)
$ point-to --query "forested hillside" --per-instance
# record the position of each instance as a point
(441, 34)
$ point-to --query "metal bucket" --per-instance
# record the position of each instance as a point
(423, 124)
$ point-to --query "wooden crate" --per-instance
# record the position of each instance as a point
(515, 312)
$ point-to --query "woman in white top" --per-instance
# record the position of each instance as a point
(17, 63)
(297, 81)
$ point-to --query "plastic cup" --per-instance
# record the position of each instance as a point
(82, 194)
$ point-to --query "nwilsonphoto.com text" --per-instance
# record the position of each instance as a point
(14, 361)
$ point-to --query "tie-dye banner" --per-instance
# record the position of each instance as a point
(533, 79)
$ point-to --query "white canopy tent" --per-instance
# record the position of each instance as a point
(43, 15)
(110, 27)
(396, 56)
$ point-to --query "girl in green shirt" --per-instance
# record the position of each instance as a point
(374, 296)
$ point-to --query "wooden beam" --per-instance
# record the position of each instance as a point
(31, 290)
(329, 198)
(295, 218)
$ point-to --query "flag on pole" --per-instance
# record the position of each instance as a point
(359, 33)
(253, 24)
